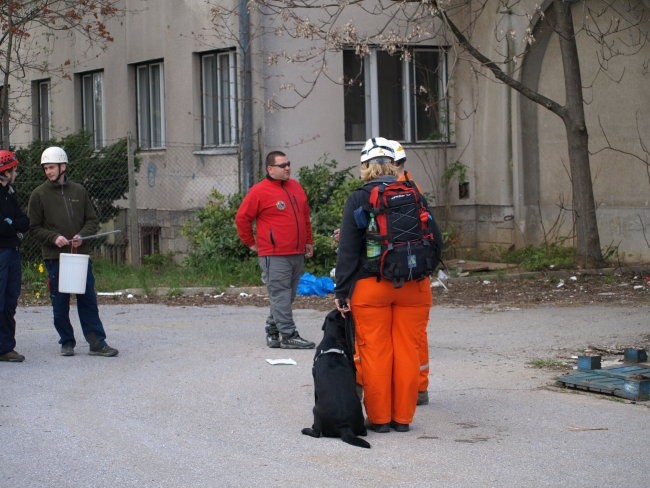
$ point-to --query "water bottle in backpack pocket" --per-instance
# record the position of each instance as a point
(373, 244)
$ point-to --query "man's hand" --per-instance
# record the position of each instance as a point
(61, 241)
(76, 241)
(253, 248)
(309, 250)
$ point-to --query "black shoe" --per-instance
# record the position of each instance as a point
(105, 350)
(294, 341)
(273, 340)
(12, 357)
(397, 427)
(423, 398)
(67, 350)
(379, 428)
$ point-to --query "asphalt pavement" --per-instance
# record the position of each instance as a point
(192, 402)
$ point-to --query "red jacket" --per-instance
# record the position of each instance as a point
(282, 218)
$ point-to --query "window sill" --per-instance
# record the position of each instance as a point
(216, 151)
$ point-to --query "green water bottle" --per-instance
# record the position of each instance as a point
(373, 245)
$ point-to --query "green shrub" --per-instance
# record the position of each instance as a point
(327, 190)
(538, 258)
(212, 234)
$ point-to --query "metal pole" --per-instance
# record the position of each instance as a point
(247, 95)
(134, 238)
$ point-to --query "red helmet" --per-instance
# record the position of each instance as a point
(7, 160)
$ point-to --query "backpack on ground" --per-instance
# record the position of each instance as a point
(404, 242)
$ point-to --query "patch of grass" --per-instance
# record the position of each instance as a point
(34, 279)
(544, 257)
(548, 363)
(609, 279)
(157, 271)
(174, 292)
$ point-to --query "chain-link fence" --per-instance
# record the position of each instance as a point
(147, 195)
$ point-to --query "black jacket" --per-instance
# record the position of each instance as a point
(9, 209)
(352, 243)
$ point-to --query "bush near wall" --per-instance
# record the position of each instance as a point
(213, 237)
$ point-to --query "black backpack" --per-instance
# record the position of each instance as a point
(408, 234)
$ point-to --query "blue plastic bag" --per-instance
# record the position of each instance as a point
(312, 285)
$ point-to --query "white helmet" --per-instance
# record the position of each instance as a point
(377, 150)
(398, 150)
(54, 155)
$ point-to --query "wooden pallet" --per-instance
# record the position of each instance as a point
(631, 382)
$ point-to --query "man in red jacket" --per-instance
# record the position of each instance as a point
(278, 206)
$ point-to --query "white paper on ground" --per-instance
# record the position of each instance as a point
(281, 361)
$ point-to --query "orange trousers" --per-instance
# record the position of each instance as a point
(389, 326)
(423, 349)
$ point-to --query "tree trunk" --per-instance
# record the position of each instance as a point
(588, 249)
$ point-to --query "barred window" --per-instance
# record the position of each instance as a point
(219, 98)
(150, 94)
(92, 106)
(41, 109)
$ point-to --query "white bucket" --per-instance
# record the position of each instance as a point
(73, 271)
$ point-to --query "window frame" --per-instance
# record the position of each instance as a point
(219, 110)
(96, 109)
(409, 93)
(150, 106)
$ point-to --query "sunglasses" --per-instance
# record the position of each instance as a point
(281, 165)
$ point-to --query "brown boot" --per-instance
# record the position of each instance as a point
(12, 357)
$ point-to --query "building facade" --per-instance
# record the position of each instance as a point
(175, 79)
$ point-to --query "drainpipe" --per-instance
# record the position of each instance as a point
(509, 102)
(247, 96)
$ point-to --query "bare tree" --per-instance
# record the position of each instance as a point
(20, 20)
(572, 112)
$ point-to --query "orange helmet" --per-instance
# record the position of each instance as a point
(8, 160)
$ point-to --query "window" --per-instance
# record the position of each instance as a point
(219, 98)
(92, 106)
(401, 96)
(149, 240)
(41, 114)
(150, 94)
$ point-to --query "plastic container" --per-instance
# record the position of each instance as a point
(73, 271)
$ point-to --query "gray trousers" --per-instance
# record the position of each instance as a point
(281, 275)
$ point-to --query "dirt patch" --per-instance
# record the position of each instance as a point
(489, 290)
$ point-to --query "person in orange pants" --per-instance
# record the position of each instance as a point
(423, 341)
(389, 321)
(389, 324)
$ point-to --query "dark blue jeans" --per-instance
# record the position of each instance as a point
(91, 325)
(10, 279)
